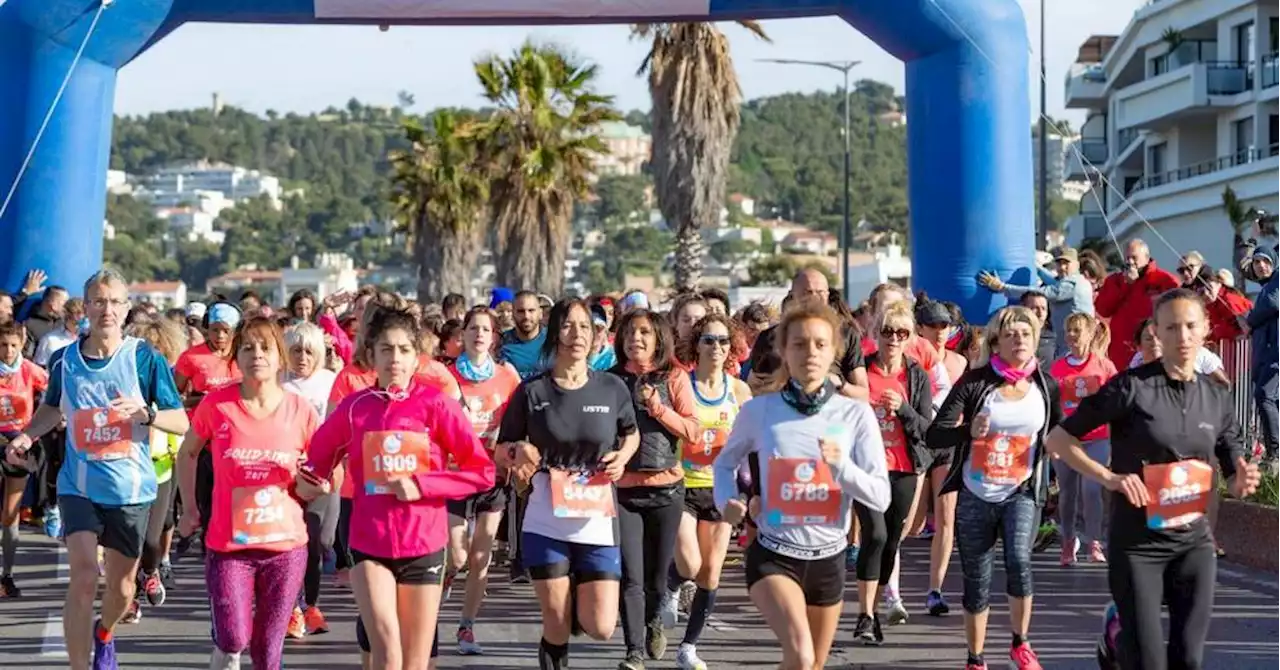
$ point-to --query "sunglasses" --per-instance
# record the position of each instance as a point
(1188, 269)
(895, 333)
(712, 340)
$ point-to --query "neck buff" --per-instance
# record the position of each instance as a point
(1011, 374)
(805, 403)
(472, 372)
(6, 369)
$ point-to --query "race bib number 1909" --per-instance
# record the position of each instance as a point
(391, 455)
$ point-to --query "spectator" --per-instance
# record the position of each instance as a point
(1047, 345)
(1189, 269)
(1227, 279)
(45, 318)
(1265, 343)
(1067, 293)
(1093, 269)
(1225, 306)
(454, 306)
(1126, 298)
(55, 340)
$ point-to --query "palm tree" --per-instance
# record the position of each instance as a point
(440, 194)
(540, 146)
(696, 100)
(1240, 218)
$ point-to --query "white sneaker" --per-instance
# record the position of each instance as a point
(687, 658)
(667, 608)
(897, 613)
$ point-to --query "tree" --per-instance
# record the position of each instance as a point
(620, 198)
(440, 192)
(728, 251)
(404, 100)
(695, 117)
(1240, 217)
(540, 144)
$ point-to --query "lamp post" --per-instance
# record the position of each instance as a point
(846, 236)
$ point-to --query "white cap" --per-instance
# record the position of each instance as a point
(196, 310)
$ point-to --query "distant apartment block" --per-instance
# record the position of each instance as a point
(1058, 147)
(1181, 104)
(629, 149)
(169, 186)
(162, 294)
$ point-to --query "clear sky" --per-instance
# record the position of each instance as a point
(307, 68)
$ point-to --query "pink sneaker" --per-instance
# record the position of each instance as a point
(1023, 658)
(1096, 555)
(1069, 549)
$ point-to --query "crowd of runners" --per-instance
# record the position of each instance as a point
(613, 450)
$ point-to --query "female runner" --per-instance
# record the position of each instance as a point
(486, 386)
(1170, 426)
(703, 538)
(812, 452)
(570, 432)
(399, 435)
(256, 539)
(21, 384)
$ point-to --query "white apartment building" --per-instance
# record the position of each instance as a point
(233, 182)
(1057, 148)
(629, 149)
(1182, 104)
(162, 294)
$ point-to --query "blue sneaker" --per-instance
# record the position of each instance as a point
(936, 604)
(851, 557)
(53, 522)
(104, 653)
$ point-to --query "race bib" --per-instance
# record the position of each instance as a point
(261, 515)
(895, 441)
(15, 411)
(801, 492)
(1075, 389)
(1001, 460)
(103, 434)
(391, 455)
(1179, 492)
(702, 454)
(581, 495)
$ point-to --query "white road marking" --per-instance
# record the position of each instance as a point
(53, 643)
(64, 570)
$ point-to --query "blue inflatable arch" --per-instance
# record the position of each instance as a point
(969, 149)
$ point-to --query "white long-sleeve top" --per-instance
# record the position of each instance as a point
(801, 516)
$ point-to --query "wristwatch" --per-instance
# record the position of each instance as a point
(151, 416)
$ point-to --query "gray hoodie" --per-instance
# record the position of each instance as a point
(1067, 295)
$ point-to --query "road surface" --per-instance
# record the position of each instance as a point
(1069, 603)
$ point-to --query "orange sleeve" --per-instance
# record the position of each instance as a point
(39, 377)
(341, 386)
(679, 417)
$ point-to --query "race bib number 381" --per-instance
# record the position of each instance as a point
(802, 492)
(1001, 460)
(103, 434)
(391, 455)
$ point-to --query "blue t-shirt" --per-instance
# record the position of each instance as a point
(603, 360)
(525, 357)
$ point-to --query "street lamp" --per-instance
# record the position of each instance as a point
(846, 237)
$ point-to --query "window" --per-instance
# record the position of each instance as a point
(1156, 164)
(1159, 65)
(1273, 135)
(1242, 136)
(1244, 50)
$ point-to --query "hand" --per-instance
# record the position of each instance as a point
(648, 396)
(990, 281)
(308, 486)
(1131, 273)
(34, 281)
(16, 454)
(337, 299)
(981, 425)
(526, 461)
(753, 507)
(613, 464)
(405, 489)
(1246, 479)
(832, 452)
(734, 511)
(1132, 486)
(891, 400)
(133, 408)
(189, 522)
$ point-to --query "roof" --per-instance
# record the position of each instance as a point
(246, 276)
(155, 287)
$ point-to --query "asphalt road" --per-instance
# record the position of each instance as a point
(1067, 620)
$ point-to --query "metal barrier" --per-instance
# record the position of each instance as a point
(1237, 361)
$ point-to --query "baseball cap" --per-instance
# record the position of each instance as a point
(931, 313)
(196, 310)
(598, 317)
(637, 300)
(1069, 254)
(224, 314)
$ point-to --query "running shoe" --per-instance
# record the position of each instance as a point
(687, 658)
(927, 532)
(166, 576)
(864, 632)
(26, 517)
(1069, 550)
(898, 614)
(330, 562)
(518, 575)
(297, 625)
(153, 586)
(936, 604)
(53, 522)
(685, 601)
(667, 606)
(104, 653)
(1096, 554)
(448, 586)
(633, 661)
(133, 614)
(467, 645)
(1022, 657)
(851, 557)
(8, 589)
(655, 640)
(314, 621)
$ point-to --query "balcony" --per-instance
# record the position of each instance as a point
(1155, 102)
(1206, 167)
(1086, 86)
(1094, 154)
(1270, 71)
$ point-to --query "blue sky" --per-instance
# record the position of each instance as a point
(307, 68)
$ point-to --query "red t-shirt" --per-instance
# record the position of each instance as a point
(206, 370)
(1076, 382)
(255, 461)
(485, 402)
(18, 396)
(897, 457)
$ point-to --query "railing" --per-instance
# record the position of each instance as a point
(1125, 137)
(1206, 167)
(1094, 150)
(1186, 53)
(1270, 71)
(1228, 77)
(1237, 363)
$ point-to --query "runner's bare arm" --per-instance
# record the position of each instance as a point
(46, 418)
(188, 457)
(855, 385)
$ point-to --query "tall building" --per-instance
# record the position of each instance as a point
(629, 149)
(1181, 104)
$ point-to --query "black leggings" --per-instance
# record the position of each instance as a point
(341, 540)
(1142, 580)
(648, 522)
(881, 532)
